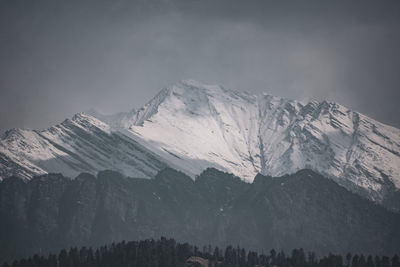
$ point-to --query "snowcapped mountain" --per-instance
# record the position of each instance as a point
(80, 144)
(191, 126)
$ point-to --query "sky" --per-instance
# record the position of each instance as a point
(60, 57)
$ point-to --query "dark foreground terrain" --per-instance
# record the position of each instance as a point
(305, 210)
(168, 253)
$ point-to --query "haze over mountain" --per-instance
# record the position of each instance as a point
(191, 126)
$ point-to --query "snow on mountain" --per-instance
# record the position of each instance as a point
(82, 144)
(191, 126)
(195, 127)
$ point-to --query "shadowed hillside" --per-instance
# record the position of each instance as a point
(305, 210)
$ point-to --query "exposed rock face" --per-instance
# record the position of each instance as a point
(300, 210)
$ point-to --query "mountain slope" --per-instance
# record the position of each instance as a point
(80, 144)
(194, 126)
(191, 127)
(300, 210)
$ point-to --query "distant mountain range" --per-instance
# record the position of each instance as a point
(303, 209)
(190, 127)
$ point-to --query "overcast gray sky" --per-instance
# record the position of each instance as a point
(61, 57)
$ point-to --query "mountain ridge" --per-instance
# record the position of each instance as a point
(191, 126)
(274, 136)
(304, 209)
(80, 144)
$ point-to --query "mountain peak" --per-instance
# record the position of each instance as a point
(190, 83)
(196, 126)
(192, 126)
(12, 133)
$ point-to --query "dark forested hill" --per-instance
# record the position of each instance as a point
(305, 210)
(169, 253)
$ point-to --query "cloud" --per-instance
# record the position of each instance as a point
(59, 58)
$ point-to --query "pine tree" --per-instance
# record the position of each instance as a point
(354, 262)
(348, 259)
(370, 262)
(395, 261)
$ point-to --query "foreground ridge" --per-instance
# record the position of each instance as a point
(305, 209)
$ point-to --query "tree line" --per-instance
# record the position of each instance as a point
(169, 253)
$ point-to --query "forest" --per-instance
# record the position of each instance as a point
(170, 253)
